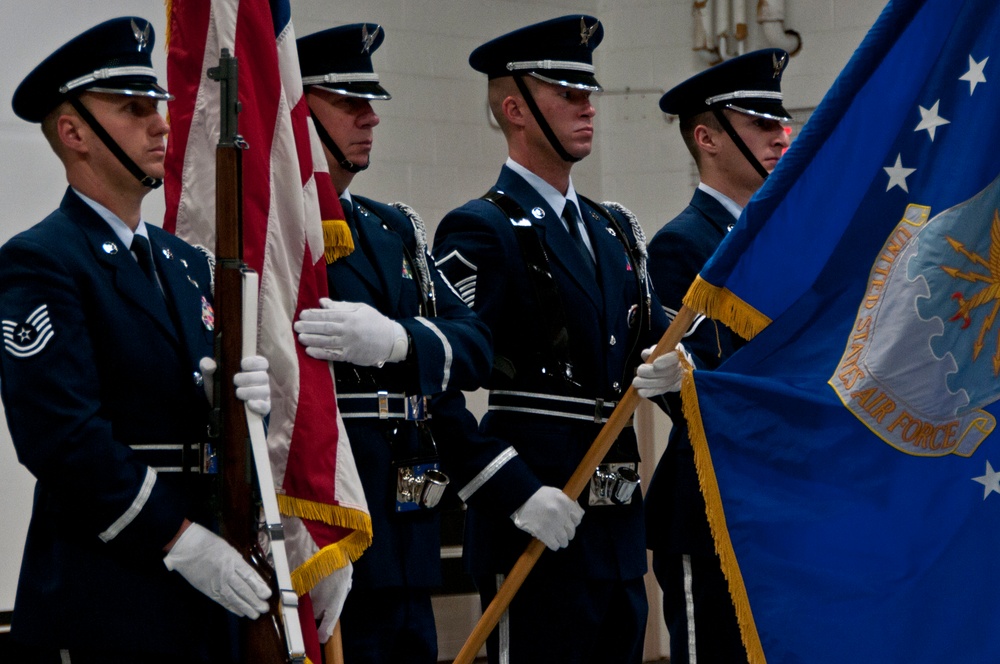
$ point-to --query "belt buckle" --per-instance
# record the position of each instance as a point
(209, 462)
(416, 408)
(383, 404)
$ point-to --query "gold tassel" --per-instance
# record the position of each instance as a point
(717, 519)
(337, 240)
(722, 305)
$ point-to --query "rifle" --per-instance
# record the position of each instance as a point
(275, 638)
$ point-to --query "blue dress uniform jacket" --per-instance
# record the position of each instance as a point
(477, 250)
(675, 508)
(98, 376)
(448, 351)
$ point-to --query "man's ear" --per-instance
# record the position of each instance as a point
(707, 139)
(70, 130)
(513, 109)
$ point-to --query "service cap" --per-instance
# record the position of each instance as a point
(112, 57)
(749, 83)
(340, 60)
(558, 51)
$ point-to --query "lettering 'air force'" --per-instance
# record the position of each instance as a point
(923, 358)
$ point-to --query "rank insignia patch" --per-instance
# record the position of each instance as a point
(27, 338)
(460, 274)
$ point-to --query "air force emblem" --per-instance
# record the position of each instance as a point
(368, 39)
(778, 64)
(27, 338)
(914, 370)
(141, 36)
(585, 32)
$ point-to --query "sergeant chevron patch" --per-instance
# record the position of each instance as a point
(460, 274)
(30, 337)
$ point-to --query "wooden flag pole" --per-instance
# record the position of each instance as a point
(333, 652)
(574, 487)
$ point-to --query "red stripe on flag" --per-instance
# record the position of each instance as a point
(186, 29)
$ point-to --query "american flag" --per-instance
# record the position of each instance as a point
(287, 195)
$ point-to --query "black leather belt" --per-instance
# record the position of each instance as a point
(575, 408)
(382, 405)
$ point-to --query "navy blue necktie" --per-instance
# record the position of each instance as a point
(572, 219)
(144, 255)
(348, 211)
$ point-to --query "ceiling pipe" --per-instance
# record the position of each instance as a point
(771, 17)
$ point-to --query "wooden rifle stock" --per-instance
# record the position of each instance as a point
(262, 640)
(574, 487)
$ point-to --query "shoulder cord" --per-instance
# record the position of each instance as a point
(639, 254)
(423, 267)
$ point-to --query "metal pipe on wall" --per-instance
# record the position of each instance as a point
(704, 41)
(771, 17)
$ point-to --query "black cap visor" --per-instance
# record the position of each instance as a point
(768, 110)
(359, 89)
(132, 87)
(568, 79)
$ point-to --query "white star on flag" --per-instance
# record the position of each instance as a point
(975, 74)
(898, 174)
(990, 481)
(930, 120)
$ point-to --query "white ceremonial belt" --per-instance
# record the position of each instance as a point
(383, 405)
(535, 403)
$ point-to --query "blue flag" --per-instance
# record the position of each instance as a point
(847, 452)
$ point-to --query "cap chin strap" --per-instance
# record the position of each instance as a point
(724, 121)
(116, 150)
(542, 123)
(327, 140)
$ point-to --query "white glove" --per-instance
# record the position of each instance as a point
(661, 375)
(550, 516)
(328, 597)
(351, 332)
(252, 385)
(212, 566)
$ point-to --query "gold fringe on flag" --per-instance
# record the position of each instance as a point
(717, 518)
(336, 555)
(337, 240)
(722, 305)
(328, 560)
(335, 515)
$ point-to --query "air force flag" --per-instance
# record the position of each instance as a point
(848, 452)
